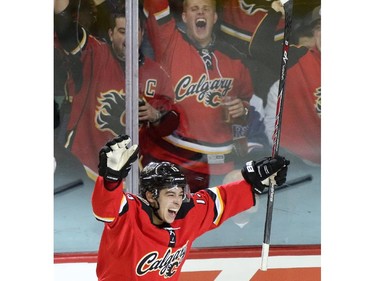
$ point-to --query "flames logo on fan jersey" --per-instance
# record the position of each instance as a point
(250, 7)
(318, 101)
(110, 113)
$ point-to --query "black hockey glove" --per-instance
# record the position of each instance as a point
(115, 158)
(257, 173)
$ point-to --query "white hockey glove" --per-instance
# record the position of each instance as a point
(115, 158)
(257, 173)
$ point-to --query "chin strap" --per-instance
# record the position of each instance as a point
(156, 213)
(155, 209)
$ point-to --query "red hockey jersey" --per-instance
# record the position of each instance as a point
(202, 142)
(132, 248)
(301, 128)
(98, 109)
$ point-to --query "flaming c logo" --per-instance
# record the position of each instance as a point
(110, 112)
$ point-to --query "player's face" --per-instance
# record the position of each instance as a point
(117, 37)
(200, 17)
(170, 201)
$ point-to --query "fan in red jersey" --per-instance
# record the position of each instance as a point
(204, 71)
(98, 107)
(301, 129)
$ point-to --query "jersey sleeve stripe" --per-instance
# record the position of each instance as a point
(111, 219)
(198, 147)
(234, 33)
(81, 44)
(162, 14)
(219, 205)
(124, 203)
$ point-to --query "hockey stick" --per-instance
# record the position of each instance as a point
(68, 186)
(288, 7)
(292, 182)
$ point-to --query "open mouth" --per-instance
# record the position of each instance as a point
(172, 212)
(201, 23)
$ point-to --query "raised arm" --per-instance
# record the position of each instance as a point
(262, 45)
(70, 37)
(161, 26)
(115, 161)
(264, 48)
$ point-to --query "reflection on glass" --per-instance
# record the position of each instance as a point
(184, 75)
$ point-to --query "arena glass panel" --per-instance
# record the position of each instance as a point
(297, 206)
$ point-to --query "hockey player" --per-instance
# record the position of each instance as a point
(149, 236)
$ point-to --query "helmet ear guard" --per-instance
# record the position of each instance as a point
(157, 176)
